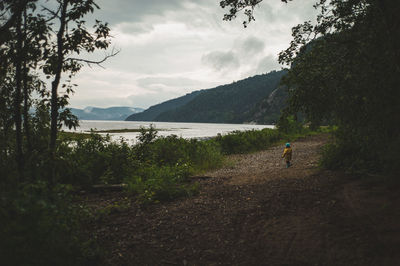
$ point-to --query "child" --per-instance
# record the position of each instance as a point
(287, 154)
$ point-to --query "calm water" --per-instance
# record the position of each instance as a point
(185, 130)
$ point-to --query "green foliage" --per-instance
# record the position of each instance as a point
(359, 154)
(38, 39)
(94, 160)
(345, 71)
(41, 226)
(235, 6)
(164, 162)
(154, 183)
(248, 141)
(64, 136)
(156, 168)
(147, 135)
(345, 78)
(200, 155)
(288, 124)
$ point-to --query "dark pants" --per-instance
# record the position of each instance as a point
(288, 164)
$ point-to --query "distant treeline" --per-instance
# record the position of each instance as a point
(255, 99)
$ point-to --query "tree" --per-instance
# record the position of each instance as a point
(247, 6)
(68, 42)
(16, 9)
(38, 37)
(345, 69)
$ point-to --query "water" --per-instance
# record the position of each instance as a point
(184, 130)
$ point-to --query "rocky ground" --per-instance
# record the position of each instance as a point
(256, 212)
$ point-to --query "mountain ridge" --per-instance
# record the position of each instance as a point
(116, 113)
(153, 111)
(242, 101)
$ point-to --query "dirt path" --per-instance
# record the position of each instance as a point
(257, 212)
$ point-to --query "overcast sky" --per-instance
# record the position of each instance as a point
(172, 47)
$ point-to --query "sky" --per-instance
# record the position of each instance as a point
(169, 48)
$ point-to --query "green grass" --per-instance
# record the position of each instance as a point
(68, 136)
(125, 130)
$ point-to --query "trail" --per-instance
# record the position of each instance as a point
(257, 212)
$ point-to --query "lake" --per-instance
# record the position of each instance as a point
(184, 130)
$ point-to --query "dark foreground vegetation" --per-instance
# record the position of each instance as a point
(344, 71)
(43, 225)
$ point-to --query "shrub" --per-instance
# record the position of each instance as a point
(247, 141)
(355, 155)
(95, 160)
(41, 226)
(154, 184)
(205, 155)
(288, 124)
(171, 150)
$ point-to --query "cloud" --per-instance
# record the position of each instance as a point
(267, 64)
(177, 82)
(169, 48)
(150, 99)
(135, 28)
(117, 11)
(252, 45)
(220, 60)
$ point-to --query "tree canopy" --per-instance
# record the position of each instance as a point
(344, 70)
(40, 47)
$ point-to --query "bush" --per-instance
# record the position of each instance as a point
(41, 226)
(171, 150)
(95, 160)
(247, 141)
(355, 155)
(289, 125)
(154, 184)
(156, 168)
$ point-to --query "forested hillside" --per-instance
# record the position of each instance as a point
(237, 102)
(151, 113)
(269, 109)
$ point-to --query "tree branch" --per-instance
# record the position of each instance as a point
(52, 13)
(113, 53)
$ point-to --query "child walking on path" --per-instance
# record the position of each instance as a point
(287, 154)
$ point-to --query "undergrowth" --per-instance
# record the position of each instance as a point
(41, 224)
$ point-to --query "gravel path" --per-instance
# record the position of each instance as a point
(262, 166)
(257, 212)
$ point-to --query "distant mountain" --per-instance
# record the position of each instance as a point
(111, 113)
(155, 110)
(254, 99)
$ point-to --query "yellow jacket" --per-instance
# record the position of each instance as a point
(287, 154)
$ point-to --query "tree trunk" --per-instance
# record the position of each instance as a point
(17, 100)
(54, 88)
(26, 92)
